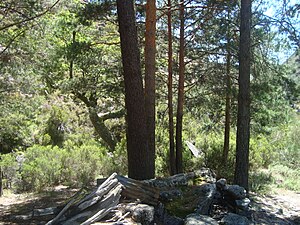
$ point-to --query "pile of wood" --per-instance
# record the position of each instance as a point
(103, 200)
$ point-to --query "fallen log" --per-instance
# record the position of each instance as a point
(102, 200)
(134, 189)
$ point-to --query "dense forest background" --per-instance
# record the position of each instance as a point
(62, 91)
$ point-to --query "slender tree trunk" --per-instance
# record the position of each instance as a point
(179, 146)
(101, 129)
(73, 56)
(1, 184)
(243, 120)
(228, 97)
(172, 160)
(227, 112)
(140, 162)
(150, 50)
(97, 121)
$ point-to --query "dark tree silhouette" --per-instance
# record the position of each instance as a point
(243, 120)
(140, 162)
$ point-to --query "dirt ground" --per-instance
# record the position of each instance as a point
(282, 207)
(16, 209)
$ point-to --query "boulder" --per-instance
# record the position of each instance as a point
(236, 191)
(234, 219)
(143, 214)
(206, 174)
(206, 195)
(243, 204)
(162, 217)
(196, 219)
(170, 195)
(221, 184)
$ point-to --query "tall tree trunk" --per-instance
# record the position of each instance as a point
(140, 163)
(150, 50)
(170, 93)
(228, 96)
(1, 184)
(227, 112)
(243, 120)
(172, 160)
(179, 119)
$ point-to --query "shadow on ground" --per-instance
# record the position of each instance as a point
(16, 210)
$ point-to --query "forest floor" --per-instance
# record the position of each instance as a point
(283, 205)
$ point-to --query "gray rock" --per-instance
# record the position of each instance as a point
(206, 194)
(163, 218)
(234, 219)
(221, 184)
(181, 179)
(207, 174)
(243, 203)
(143, 214)
(170, 195)
(196, 219)
(236, 191)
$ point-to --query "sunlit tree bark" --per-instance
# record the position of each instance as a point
(179, 117)
(150, 50)
(172, 160)
(243, 120)
(140, 162)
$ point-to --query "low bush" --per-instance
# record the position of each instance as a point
(46, 166)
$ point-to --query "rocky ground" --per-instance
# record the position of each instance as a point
(281, 208)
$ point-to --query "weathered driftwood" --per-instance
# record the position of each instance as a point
(46, 211)
(182, 179)
(93, 207)
(102, 200)
(134, 189)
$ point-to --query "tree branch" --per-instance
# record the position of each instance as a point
(29, 18)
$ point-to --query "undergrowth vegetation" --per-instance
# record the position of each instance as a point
(273, 160)
(62, 93)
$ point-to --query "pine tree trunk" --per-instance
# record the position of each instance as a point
(1, 184)
(228, 97)
(227, 113)
(140, 163)
(179, 146)
(172, 160)
(243, 120)
(150, 50)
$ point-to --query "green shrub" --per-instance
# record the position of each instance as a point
(285, 177)
(261, 152)
(9, 168)
(260, 181)
(42, 167)
(46, 166)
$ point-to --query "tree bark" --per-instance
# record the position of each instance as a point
(97, 121)
(228, 97)
(101, 129)
(140, 162)
(172, 160)
(243, 120)
(179, 119)
(150, 50)
(1, 184)
(227, 112)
